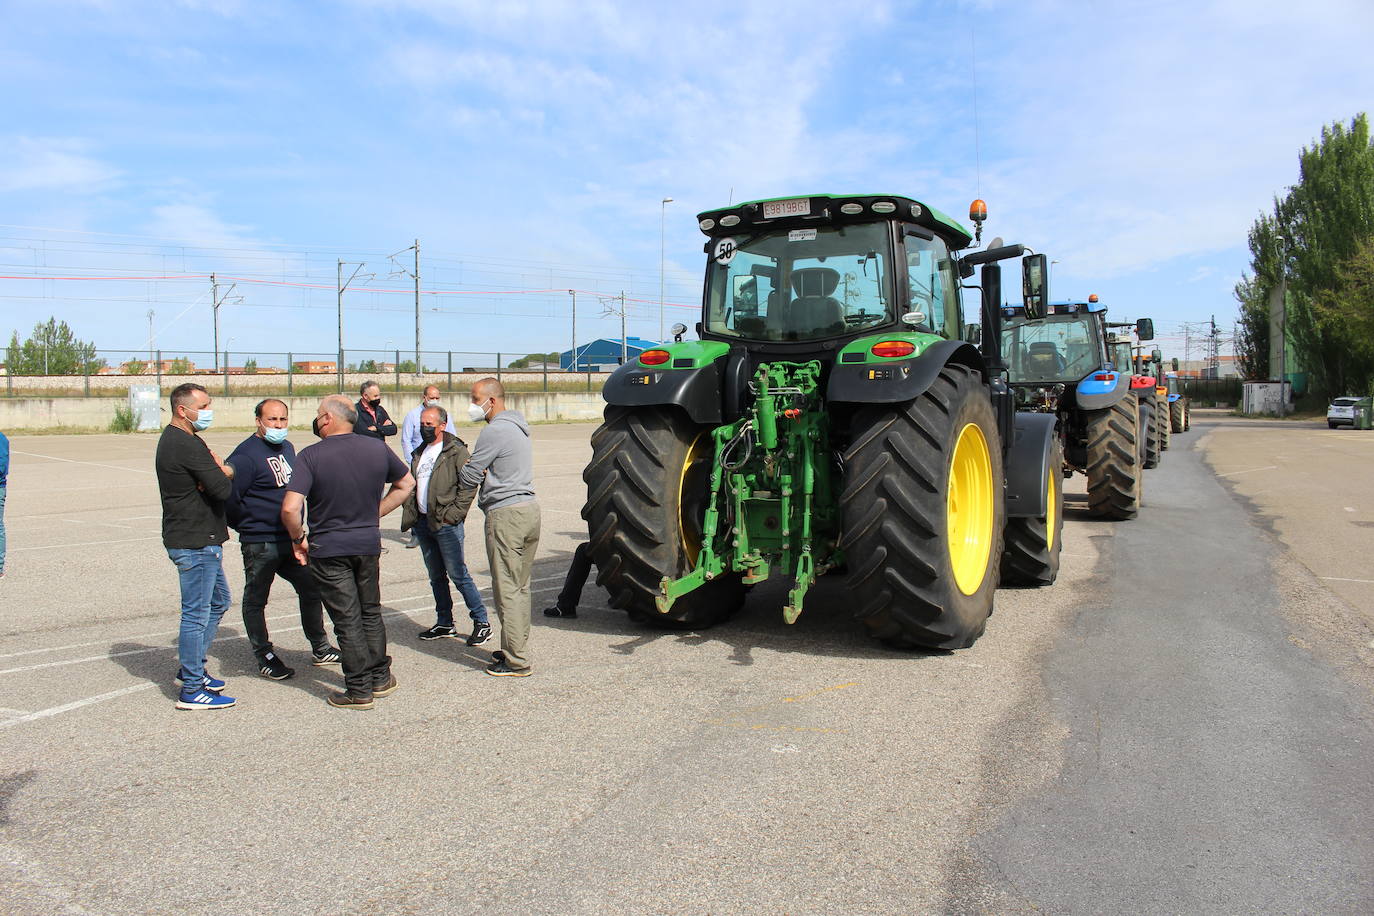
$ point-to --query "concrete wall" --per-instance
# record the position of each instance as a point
(275, 382)
(237, 411)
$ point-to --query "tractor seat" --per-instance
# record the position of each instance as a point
(814, 312)
(1043, 359)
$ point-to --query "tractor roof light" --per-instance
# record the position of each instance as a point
(1092, 297)
(890, 349)
(654, 357)
(851, 208)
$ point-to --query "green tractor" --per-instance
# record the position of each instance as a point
(833, 417)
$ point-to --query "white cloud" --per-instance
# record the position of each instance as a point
(187, 221)
(50, 164)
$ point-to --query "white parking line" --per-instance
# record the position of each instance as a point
(93, 464)
(77, 704)
(147, 649)
(153, 537)
(1268, 467)
(1339, 579)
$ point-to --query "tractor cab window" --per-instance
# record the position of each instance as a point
(800, 284)
(1055, 348)
(932, 286)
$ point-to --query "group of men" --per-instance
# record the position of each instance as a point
(313, 519)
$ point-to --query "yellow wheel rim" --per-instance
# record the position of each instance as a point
(691, 494)
(970, 509)
(1051, 510)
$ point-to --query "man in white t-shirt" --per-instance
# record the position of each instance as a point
(410, 432)
(435, 513)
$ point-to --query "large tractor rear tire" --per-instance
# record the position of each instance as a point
(646, 490)
(1030, 547)
(1162, 423)
(922, 510)
(1176, 416)
(1187, 415)
(1150, 430)
(1114, 461)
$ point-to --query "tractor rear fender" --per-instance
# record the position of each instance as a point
(893, 381)
(1027, 465)
(695, 388)
(1098, 394)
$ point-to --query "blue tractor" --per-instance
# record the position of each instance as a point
(1061, 364)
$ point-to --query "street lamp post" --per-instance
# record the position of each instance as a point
(1283, 326)
(1049, 281)
(662, 256)
(572, 365)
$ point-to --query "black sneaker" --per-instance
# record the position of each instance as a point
(438, 632)
(556, 611)
(274, 668)
(501, 669)
(326, 656)
(481, 635)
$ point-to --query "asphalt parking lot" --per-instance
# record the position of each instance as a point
(752, 767)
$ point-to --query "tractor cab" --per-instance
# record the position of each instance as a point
(801, 274)
(1063, 347)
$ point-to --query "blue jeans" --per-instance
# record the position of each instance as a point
(3, 488)
(443, 553)
(204, 599)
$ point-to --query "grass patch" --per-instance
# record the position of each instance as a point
(123, 421)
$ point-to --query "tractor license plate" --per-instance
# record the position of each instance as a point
(773, 209)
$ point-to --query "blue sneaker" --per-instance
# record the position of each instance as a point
(203, 699)
(212, 684)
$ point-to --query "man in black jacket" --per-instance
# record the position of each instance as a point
(434, 513)
(194, 484)
(373, 420)
(262, 469)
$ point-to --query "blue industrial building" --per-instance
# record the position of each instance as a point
(603, 354)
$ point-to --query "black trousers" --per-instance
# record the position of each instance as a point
(261, 564)
(577, 577)
(352, 593)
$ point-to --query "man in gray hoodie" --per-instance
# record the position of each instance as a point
(502, 464)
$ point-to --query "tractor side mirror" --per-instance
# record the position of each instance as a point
(1145, 329)
(1035, 285)
(973, 333)
(1156, 356)
(1175, 363)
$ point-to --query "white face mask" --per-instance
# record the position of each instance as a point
(432, 402)
(476, 413)
(203, 419)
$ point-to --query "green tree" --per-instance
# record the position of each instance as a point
(525, 361)
(406, 366)
(180, 366)
(1312, 239)
(1348, 308)
(52, 349)
(250, 366)
(134, 366)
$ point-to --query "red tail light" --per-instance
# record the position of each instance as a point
(1103, 377)
(654, 357)
(891, 348)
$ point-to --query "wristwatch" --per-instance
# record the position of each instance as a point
(298, 540)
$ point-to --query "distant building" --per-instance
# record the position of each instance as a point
(1201, 368)
(314, 366)
(602, 354)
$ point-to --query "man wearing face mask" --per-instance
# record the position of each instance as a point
(435, 513)
(339, 478)
(373, 420)
(410, 434)
(262, 469)
(502, 464)
(193, 484)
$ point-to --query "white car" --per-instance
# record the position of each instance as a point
(1342, 410)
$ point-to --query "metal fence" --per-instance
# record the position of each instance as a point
(111, 372)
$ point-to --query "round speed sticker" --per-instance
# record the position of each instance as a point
(725, 251)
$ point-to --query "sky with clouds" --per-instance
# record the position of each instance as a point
(528, 146)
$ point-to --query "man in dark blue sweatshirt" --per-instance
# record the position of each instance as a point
(262, 469)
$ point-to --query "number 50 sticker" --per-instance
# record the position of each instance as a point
(725, 251)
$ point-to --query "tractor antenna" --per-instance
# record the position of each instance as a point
(977, 140)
